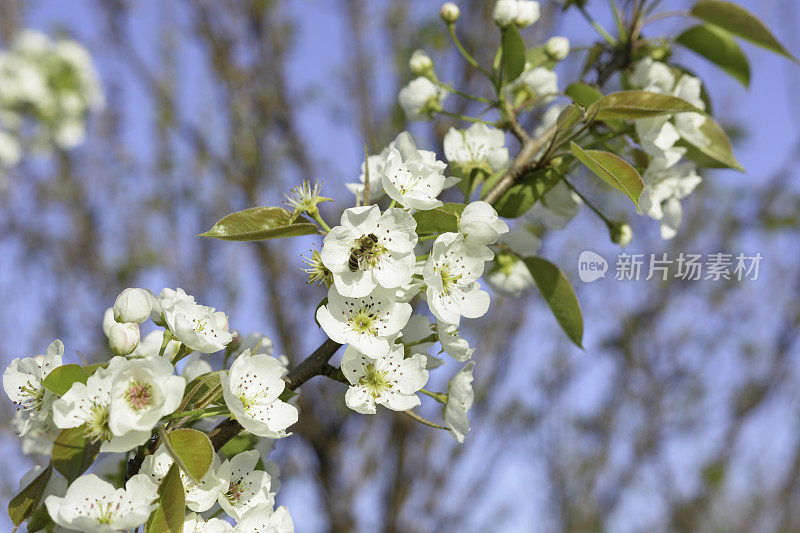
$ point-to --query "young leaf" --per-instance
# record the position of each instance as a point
(194, 449)
(718, 153)
(583, 94)
(74, 453)
(537, 57)
(566, 120)
(717, 45)
(439, 220)
(741, 22)
(258, 224)
(168, 516)
(638, 104)
(61, 378)
(513, 53)
(200, 387)
(612, 169)
(22, 506)
(522, 195)
(559, 295)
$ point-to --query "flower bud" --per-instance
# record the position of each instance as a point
(557, 48)
(133, 305)
(420, 63)
(123, 338)
(449, 12)
(505, 11)
(621, 234)
(108, 320)
(157, 313)
(527, 13)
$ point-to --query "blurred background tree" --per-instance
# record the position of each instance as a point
(680, 414)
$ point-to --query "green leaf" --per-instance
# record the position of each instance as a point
(194, 449)
(583, 94)
(61, 378)
(168, 516)
(201, 386)
(717, 45)
(527, 191)
(22, 506)
(718, 153)
(612, 169)
(73, 453)
(513, 53)
(440, 219)
(638, 104)
(559, 295)
(94, 367)
(741, 22)
(565, 122)
(238, 444)
(258, 224)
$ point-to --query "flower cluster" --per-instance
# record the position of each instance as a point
(120, 404)
(380, 267)
(51, 82)
(669, 177)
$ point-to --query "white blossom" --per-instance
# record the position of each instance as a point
(652, 76)
(150, 345)
(451, 275)
(365, 322)
(412, 177)
(390, 380)
(123, 338)
(263, 519)
(509, 275)
(539, 84)
(523, 13)
(421, 98)
(657, 137)
(664, 188)
(255, 342)
(199, 496)
(479, 146)
(379, 246)
(557, 47)
(39, 437)
(459, 401)
(420, 63)
(143, 391)
(92, 505)
(133, 305)
(22, 382)
(688, 125)
(453, 343)
(199, 327)
(90, 404)
(195, 367)
(251, 389)
(244, 487)
(194, 523)
(480, 224)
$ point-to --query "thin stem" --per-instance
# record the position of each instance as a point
(468, 118)
(198, 413)
(612, 4)
(451, 28)
(182, 352)
(664, 15)
(167, 337)
(587, 202)
(597, 27)
(465, 95)
(316, 216)
(438, 396)
(424, 421)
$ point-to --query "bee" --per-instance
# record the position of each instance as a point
(361, 251)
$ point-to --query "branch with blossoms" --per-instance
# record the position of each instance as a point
(403, 272)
